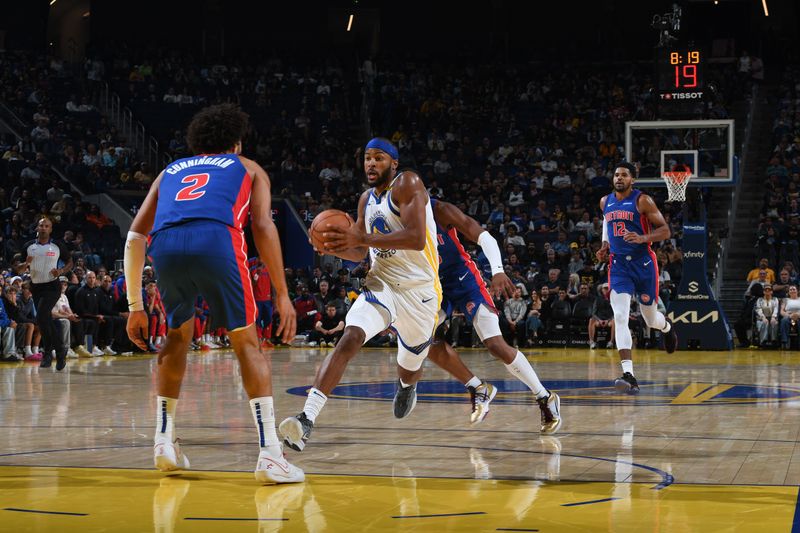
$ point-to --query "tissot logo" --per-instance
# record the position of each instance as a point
(692, 317)
(682, 96)
(694, 286)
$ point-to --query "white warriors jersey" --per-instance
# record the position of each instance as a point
(401, 268)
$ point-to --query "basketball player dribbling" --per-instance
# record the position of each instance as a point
(631, 221)
(396, 227)
(465, 290)
(194, 214)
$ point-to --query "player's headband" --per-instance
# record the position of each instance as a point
(384, 146)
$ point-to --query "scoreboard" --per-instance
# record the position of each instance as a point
(680, 73)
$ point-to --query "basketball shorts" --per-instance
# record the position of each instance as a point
(634, 276)
(412, 313)
(473, 299)
(209, 259)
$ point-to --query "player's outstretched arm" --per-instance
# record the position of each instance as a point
(659, 230)
(449, 216)
(135, 250)
(268, 243)
(344, 243)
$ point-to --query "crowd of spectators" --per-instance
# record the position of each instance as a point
(771, 312)
(526, 151)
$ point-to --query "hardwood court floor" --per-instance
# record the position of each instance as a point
(710, 444)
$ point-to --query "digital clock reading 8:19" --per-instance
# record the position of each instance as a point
(681, 70)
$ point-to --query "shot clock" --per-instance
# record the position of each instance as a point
(680, 73)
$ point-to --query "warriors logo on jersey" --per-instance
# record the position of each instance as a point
(377, 224)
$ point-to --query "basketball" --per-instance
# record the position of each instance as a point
(334, 217)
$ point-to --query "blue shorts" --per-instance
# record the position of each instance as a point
(467, 296)
(634, 276)
(204, 258)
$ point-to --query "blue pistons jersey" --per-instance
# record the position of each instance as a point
(204, 187)
(633, 268)
(463, 287)
(197, 244)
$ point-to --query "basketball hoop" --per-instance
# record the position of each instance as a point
(676, 181)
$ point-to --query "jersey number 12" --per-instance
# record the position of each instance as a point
(619, 229)
(193, 191)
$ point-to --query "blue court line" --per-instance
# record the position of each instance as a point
(43, 512)
(238, 519)
(666, 478)
(796, 519)
(589, 502)
(439, 515)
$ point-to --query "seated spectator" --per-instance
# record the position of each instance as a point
(780, 288)
(761, 280)
(7, 334)
(790, 315)
(767, 317)
(329, 328)
(602, 317)
(26, 324)
(68, 322)
(763, 264)
(561, 309)
(514, 311)
(324, 296)
(86, 305)
(118, 342)
(533, 324)
(305, 305)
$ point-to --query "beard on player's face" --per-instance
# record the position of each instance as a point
(379, 178)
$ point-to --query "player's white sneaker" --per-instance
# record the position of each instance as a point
(481, 396)
(271, 469)
(168, 456)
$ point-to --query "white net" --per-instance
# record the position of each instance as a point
(676, 185)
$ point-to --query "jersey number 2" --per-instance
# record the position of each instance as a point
(192, 192)
(619, 229)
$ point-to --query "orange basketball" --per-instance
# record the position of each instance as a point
(334, 217)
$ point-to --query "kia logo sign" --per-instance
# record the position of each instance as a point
(691, 317)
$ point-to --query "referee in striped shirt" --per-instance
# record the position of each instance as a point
(43, 255)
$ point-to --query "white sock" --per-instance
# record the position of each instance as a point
(474, 382)
(314, 404)
(521, 369)
(627, 366)
(28, 350)
(264, 417)
(35, 349)
(165, 419)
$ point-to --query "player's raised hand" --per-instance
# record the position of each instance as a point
(339, 239)
(288, 325)
(502, 285)
(137, 329)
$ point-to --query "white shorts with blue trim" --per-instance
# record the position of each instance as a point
(410, 312)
